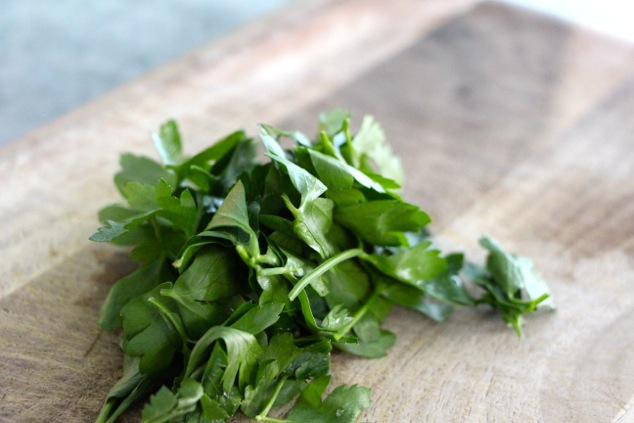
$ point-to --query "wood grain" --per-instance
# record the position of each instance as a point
(508, 123)
(503, 141)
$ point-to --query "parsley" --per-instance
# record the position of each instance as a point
(252, 272)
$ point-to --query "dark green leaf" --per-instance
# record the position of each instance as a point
(125, 290)
(233, 213)
(411, 297)
(315, 390)
(242, 347)
(413, 266)
(241, 160)
(312, 225)
(165, 406)
(130, 388)
(310, 364)
(259, 318)
(348, 285)
(242, 353)
(373, 341)
(512, 286)
(213, 410)
(215, 274)
(181, 212)
(343, 405)
(336, 173)
(306, 184)
(382, 222)
(149, 333)
(198, 168)
(141, 170)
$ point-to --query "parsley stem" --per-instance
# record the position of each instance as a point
(244, 255)
(323, 268)
(262, 416)
(272, 271)
(307, 312)
(157, 230)
(269, 419)
(357, 316)
(105, 411)
(289, 204)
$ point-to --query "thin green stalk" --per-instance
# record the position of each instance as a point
(244, 255)
(289, 204)
(357, 316)
(157, 229)
(200, 211)
(323, 268)
(105, 411)
(262, 416)
(272, 271)
(308, 338)
(269, 419)
(307, 312)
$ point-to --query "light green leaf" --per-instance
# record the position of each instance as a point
(337, 318)
(168, 143)
(332, 122)
(141, 170)
(369, 143)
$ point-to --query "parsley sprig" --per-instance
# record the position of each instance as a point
(252, 272)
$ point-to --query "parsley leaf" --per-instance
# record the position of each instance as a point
(165, 406)
(343, 405)
(382, 222)
(251, 273)
(126, 289)
(512, 286)
(151, 330)
(168, 143)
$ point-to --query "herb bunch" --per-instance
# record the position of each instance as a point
(251, 273)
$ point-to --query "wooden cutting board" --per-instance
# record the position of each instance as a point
(508, 123)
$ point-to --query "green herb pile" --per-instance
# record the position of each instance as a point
(252, 273)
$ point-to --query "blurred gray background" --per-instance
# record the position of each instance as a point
(56, 55)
